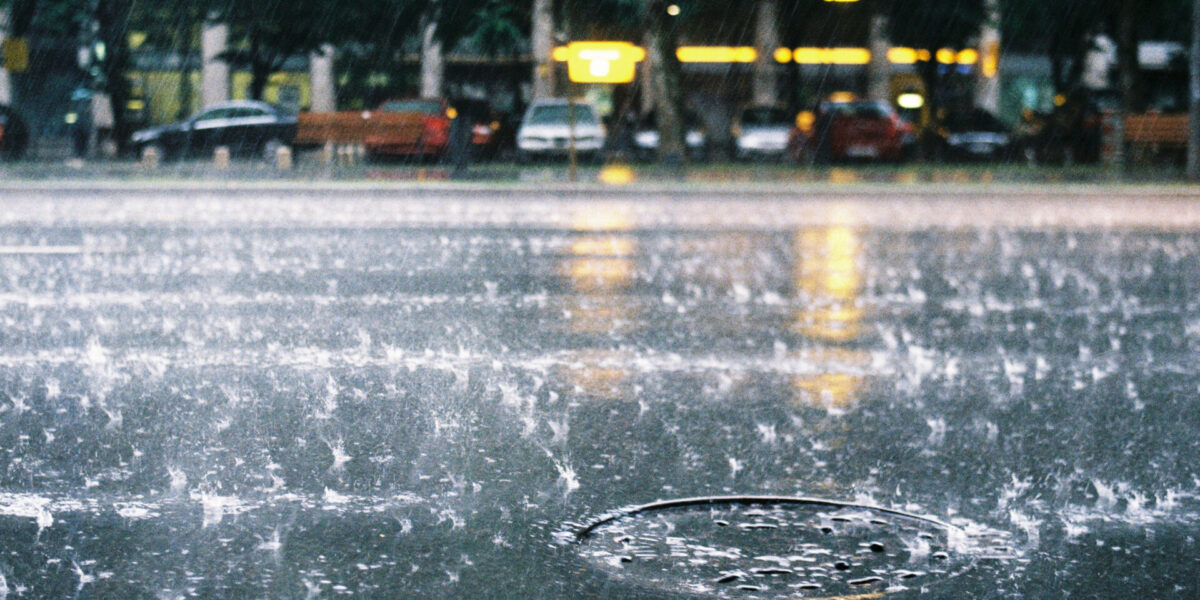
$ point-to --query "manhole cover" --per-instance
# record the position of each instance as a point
(772, 547)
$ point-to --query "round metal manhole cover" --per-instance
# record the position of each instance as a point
(772, 547)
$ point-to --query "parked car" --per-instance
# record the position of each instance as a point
(645, 138)
(489, 128)
(546, 130)
(856, 130)
(974, 135)
(14, 134)
(428, 137)
(246, 127)
(761, 131)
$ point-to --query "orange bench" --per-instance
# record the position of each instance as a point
(1157, 130)
(354, 127)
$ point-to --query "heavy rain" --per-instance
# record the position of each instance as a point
(788, 299)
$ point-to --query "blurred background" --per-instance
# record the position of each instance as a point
(1037, 81)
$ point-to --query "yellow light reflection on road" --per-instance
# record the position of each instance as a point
(828, 281)
(616, 175)
(599, 267)
(597, 373)
(836, 386)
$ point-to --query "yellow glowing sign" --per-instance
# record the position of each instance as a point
(600, 62)
(947, 56)
(716, 54)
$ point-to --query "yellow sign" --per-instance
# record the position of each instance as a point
(602, 62)
(16, 55)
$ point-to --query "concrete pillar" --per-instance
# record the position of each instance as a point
(214, 75)
(879, 71)
(542, 43)
(766, 41)
(5, 84)
(433, 68)
(324, 95)
(987, 82)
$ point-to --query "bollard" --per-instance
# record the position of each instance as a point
(221, 157)
(150, 157)
(283, 158)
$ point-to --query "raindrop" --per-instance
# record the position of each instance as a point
(865, 580)
(773, 571)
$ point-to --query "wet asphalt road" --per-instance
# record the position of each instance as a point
(346, 391)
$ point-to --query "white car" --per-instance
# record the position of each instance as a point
(761, 131)
(546, 130)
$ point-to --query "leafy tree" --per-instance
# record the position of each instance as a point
(174, 25)
(265, 33)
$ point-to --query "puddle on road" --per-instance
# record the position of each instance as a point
(774, 547)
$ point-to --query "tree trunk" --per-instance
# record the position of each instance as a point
(666, 82)
(186, 68)
(214, 70)
(1127, 65)
(542, 41)
(260, 70)
(766, 40)
(432, 67)
(112, 17)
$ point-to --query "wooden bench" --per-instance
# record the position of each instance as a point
(354, 127)
(1156, 137)
(1157, 129)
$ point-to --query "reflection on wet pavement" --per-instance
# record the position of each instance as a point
(276, 397)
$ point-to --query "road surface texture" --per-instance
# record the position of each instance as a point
(344, 390)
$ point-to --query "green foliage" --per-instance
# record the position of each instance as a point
(933, 24)
(500, 28)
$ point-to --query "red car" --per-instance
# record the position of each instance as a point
(859, 130)
(413, 127)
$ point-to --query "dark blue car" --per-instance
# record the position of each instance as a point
(246, 127)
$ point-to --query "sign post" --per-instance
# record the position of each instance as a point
(595, 62)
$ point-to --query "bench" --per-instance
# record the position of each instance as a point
(354, 127)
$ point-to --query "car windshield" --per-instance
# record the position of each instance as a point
(425, 107)
(765, 116)
(975, 121)
(691, 120)
(559, 114)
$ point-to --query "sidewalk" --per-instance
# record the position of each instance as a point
(309, 170)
